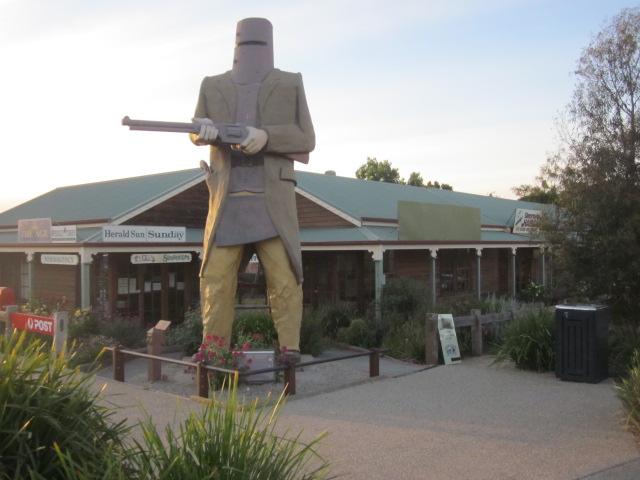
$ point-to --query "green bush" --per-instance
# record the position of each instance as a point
(188, 335)
(628, 391)
(407, 341)
(90, 331)
(53, 426)
(84, 323)
(358, 334)
(529, 341)
(90, 350)
(46, 408)
(624, 341)
(261, 323)
(403, 296)
(127, 332)
(312, 338)
(334, 316)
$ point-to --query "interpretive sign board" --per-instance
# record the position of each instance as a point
(448, 339)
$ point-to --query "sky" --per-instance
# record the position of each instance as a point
(464, 92)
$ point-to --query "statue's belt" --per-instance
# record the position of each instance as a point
(247, 160)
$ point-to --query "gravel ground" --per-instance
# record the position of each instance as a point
(310, 380)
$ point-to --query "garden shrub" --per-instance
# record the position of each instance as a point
(404, 297)
(624, 341)
(127, 332)
(628, 391)
(85, 322)
(230, 440)
(335, 316)
(90, 351)
(46, 408)
(252, 323)
(188, 335)
(53, 426)
(90, 331)
(529, 341)
(312, 338)
(358, 334)
(407, 341)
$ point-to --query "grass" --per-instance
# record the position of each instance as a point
(53, 425)
(528, 341)
(45, 408)
(229, 440)
(628, 392)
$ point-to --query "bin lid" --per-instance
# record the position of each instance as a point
(580, 307)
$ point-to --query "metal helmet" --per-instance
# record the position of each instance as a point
(253, 55)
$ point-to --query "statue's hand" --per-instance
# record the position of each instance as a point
(255, 141)
(208, 132)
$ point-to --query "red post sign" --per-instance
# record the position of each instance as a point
(32, 323)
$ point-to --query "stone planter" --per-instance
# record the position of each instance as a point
(257, 360)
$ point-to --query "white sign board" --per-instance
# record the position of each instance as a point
(143, 234)
(139, 258)
(526, 221)
(58, 259)
(64, 233)
(448, 339)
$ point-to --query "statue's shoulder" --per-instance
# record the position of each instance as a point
(217, 79)
(284, 77)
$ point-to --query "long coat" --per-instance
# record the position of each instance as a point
(284, 115)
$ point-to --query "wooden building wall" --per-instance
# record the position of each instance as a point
(57, 284)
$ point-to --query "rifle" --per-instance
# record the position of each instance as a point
(231, 134)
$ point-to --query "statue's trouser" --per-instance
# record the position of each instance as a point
(218, 290)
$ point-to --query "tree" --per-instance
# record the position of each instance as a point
(379, 171)
(437, 184)
(595, 235)
(384, 172)
(543, 193)
(415, 180)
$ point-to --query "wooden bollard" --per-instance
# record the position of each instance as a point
(476, 333)
(374, 362)
(118, 365)
(202, 381)
(290, 378)
(155, 341)
(431, 339)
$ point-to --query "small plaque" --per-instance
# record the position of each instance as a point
(162, 325)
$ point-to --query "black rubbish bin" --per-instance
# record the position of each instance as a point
(582, 343)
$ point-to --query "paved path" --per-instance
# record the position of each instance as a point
(465, 421)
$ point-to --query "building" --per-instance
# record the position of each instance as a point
(132, 246)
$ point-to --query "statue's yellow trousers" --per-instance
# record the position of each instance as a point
(219, 280)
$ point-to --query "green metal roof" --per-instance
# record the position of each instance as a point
(116, 199)
(108, 200)
(371, 199)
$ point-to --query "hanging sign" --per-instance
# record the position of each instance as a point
(34, 230)
(448, 339)
(526, 221)
(143, 234)
(59, 259)
(139, 258)
(64, 233)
